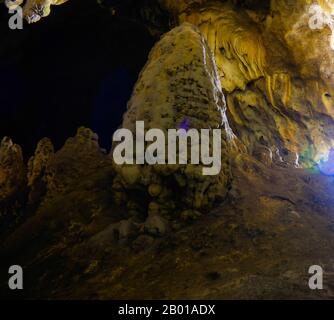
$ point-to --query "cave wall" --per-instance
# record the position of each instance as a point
(275, 69)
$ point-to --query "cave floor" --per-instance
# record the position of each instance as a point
(259, 244)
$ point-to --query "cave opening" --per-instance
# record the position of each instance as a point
(76, 68)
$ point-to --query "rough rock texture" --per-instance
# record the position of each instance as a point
(236, 42)
(12, 182)
(179, 84)
(276, 71)
(79, 174)
(12, 169)
(79, 156)
(37, 166)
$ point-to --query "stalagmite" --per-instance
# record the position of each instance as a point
(178, 85)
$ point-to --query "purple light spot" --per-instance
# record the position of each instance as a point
(185, 124)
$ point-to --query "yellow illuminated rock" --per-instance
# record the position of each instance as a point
(276, 71)
(12, 169)
(34, 10)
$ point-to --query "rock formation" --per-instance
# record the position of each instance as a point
(275, 70)
(37, 166)
(12, 180)
(12, 169)
(34, 10)
(79, 156)
(179, 83)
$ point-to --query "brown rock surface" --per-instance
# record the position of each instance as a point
(79, 156)
(37, 166)
(179, 84)
(276, 70)
(12, 169)
(258, 245)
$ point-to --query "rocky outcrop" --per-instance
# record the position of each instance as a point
(12, 182)
(67, 189)
(79, 157)
(49, 174)
(38, 163)
(37, 166)
(12, 169)
(178, 88)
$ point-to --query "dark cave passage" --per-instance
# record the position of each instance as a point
(78, 69)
